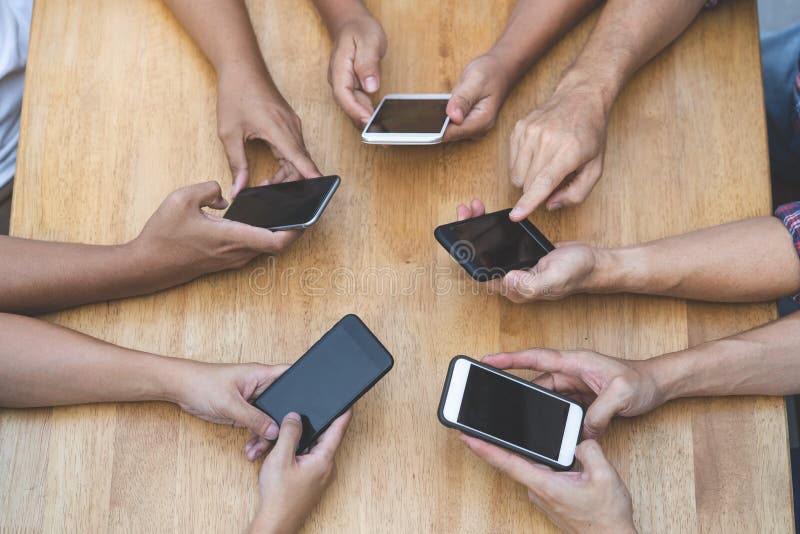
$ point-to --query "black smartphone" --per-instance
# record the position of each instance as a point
(491, 245)
(284, 206)
(343, 365)
(503, 409)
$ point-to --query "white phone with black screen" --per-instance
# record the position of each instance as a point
(408, 119)
(505, 410)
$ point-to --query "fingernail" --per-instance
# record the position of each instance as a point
(554, 206)
(364, 120)
(272, 431)
(516, 212)
(371, 84)
(294, 417)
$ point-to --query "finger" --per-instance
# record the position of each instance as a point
(478, 208)
(260, 239)
(367, 65)
(302, 162)
(579, 188)
(462, 100)
(281, 174)
(609, 403)
(463, 212)
(543, 183)
(254, 419)
(207, 194)
(523, 471)
(267, 374)
(543, 360)
(343, 81)
(521, 286)
(591, 456)
(288, 439)
(330, 440)
(237, 159)
(521, 153)
(258, 449)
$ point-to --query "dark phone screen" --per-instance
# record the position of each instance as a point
(513, 413)
(338, 369)
(410, 116)
(495, 242)
(283, 204)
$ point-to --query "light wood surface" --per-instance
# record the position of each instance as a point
(120, 110)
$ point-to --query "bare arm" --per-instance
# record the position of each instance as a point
(179, 243)
(744, 261)
(750, 260)
(46, 365)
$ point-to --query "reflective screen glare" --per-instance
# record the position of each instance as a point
(283, 204)
(410, 116)
(497, 242)
(335, 371)
(513, 413)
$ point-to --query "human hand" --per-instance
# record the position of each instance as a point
(565, 271)
(221, 394)
(250, 107)
(359, 44)
(181, 241)
(290, 485)
(557, 151)
(477, 99)
(593, 500)
(609, 386)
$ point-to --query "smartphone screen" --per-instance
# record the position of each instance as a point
(409, 116)
(513, 413)
(343, 365)
(284, 205)
(491, 245)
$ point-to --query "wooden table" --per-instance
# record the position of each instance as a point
(120, 110)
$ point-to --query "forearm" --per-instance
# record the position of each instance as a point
(533, 27)
(762, 361)
(47, 365)
(336, 13)
(744, 261)
(41, 276)
(627, 35)
(223, 31)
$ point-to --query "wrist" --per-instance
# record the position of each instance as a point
(336, 18)
(601, 87)
(672, 375)
(268, 523)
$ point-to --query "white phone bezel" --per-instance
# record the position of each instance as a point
(455, 395)
(384, 138)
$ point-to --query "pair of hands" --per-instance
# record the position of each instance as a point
(595, 499)
(290, 486)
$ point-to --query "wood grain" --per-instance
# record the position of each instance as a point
(120, 110)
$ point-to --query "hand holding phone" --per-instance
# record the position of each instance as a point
(328, 379)
(490, 246)
(505, 410)
(408, 119)
(284, 206)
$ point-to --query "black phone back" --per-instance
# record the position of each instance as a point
(335, 372)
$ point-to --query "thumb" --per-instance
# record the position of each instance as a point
(461, 102)
(367, 67)
(254, 420)
(237, 159)
(207, 194)
(609, 403)
(289, 438)
(591, 456)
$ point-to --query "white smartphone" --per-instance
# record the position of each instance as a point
(408, 119)
(512, 413)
